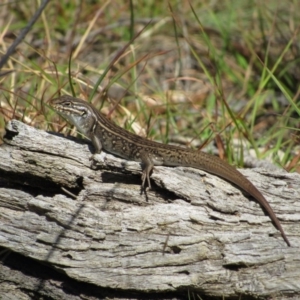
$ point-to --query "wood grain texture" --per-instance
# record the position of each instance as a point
(218, 242)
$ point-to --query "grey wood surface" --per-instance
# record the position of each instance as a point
(192, 232)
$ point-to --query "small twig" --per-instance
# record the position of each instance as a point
(68, 193)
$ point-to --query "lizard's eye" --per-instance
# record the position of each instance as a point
(67, 103)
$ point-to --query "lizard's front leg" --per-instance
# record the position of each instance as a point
(97, 145)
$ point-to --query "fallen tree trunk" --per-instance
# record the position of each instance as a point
(192, 232)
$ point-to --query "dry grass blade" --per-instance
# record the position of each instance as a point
(23, 33)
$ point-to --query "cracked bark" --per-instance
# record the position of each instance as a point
(192, 232)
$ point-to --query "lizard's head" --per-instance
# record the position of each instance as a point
(76, 111)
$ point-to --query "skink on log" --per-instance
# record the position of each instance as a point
(106, 135)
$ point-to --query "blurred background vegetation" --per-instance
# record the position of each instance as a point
(217, 74)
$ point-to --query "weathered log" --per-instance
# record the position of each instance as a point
(191, 232)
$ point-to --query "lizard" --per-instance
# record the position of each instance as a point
(106, 135)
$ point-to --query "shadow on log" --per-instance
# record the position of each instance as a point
(191, 233)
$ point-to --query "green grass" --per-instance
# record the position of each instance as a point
(206, 72)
